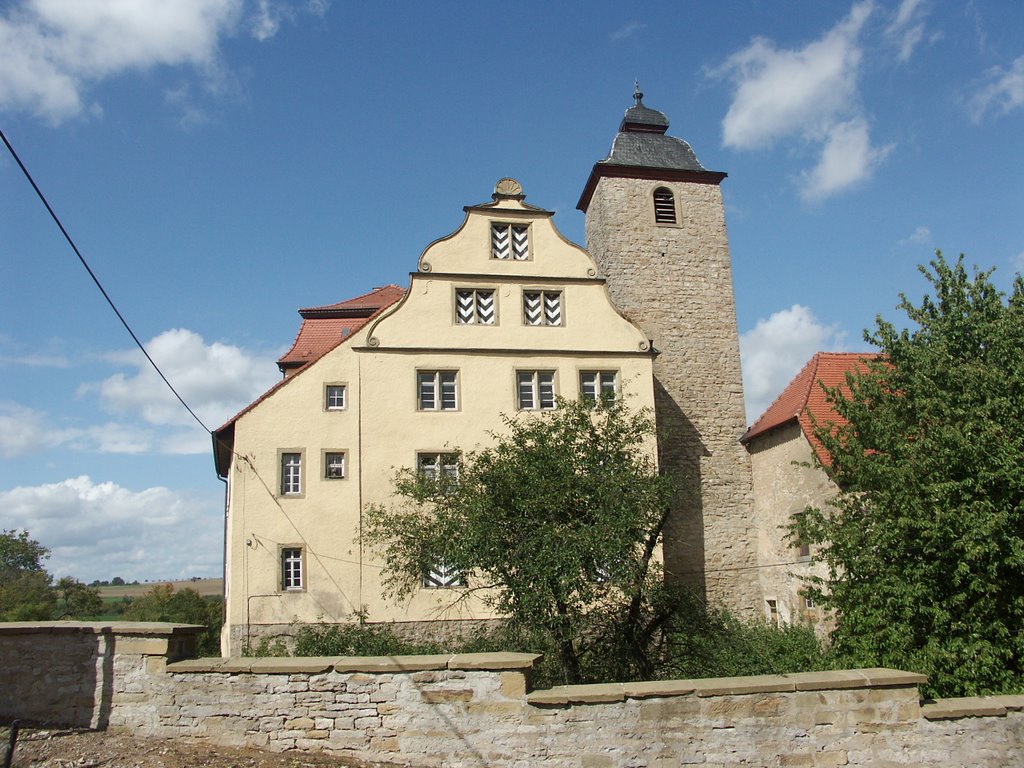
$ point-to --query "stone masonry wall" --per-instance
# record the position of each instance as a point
(676, 283)
(477, 710)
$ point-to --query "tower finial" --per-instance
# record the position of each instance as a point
(637, 93)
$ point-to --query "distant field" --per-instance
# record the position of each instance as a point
(202, 586)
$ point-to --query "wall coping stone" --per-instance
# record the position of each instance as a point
(725, 686)
(98, 627)
(972, 706)
(319, 664)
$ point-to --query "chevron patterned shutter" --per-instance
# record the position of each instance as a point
(500, 241)
(520, 244)
(510, 241)
(465, 307)
(532, 308)
(485, 314)
(440, 574)
(552, 308)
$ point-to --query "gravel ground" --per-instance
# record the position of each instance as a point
(58, 748)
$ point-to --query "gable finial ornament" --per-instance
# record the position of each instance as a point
(637, 93)
(508, 189)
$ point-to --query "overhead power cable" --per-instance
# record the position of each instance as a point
(95, 279)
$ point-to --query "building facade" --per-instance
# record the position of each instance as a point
(499, 318)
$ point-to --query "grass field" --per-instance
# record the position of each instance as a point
(205, 587)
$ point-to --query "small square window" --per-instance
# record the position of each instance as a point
(535, 390)
(598, 386)
(291, 474)
(334, 398)
(334, 466)
(475, 307)
(437, 391)
(510, 242)
(291, 569)
(542, 307)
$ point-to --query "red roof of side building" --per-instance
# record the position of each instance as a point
(324, 328)
(804, 399)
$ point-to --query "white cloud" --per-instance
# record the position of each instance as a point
(846, 159)
(216, 380)
(51, 51)
(920, 236)
(907, 29)
(627, 30)
(1002, 91)
(102, 530)
(25, 431)
(808, 94)
(777, 348)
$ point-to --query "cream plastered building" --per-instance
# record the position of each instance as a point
(499, 318)
(789, 475)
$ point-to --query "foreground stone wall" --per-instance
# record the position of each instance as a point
(477, 710)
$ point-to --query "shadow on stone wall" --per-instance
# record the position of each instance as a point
(680, 450)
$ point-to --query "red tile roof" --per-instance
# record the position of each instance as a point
(804, 400)
(324, 328)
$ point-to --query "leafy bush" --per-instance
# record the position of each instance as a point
(185, 606)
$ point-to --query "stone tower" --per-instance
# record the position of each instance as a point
(655, 224)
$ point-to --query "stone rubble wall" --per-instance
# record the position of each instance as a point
(675, 282)
(477, 709)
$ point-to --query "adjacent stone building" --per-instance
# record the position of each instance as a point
(499, 318)
(788, 460)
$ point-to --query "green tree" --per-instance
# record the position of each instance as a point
(184, 606)
(78, 600)
(556, 526)
(25, 586)
(925, 545)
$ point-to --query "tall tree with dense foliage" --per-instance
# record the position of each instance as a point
(25, 586)
(925, 545)
(78, 600)
(556, 526)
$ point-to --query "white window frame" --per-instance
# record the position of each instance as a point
(293, 569)
(291, 483)
(544, 317)
(505, 232)
(539, 386)
(437, 390)
(329, 463)
(597, 385)
(477, 308)
(438, 464)
(333, 389)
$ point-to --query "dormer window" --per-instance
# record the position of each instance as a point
(510, 242)
(664, 206)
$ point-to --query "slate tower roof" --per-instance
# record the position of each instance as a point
(643, 149)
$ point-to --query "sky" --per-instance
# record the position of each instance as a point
(222, 163)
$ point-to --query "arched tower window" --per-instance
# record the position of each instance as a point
(664, 206)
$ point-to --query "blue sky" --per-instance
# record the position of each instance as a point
(221, 163)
